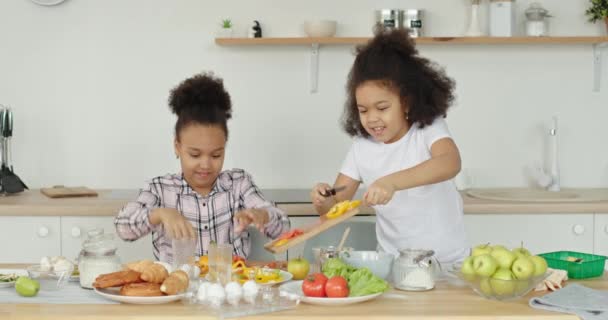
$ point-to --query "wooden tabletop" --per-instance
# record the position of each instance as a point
(292, 201)
(446, 301)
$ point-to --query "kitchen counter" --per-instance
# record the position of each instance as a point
(444, 302)
(294, 201)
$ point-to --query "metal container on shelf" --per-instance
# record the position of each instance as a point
(413, 22)
(390, 18)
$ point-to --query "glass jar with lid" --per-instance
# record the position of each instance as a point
(415, 270)
(98, 256)
(537, 24)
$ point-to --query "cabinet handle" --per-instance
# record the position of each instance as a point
(606, 228)
(43, 232)
(578, 229)
(75, 232)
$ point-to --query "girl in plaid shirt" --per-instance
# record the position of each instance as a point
(202, 201)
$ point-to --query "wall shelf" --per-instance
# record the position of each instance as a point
(598, 44)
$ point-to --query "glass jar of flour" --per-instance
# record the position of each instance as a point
(415, 270)
(98, 256)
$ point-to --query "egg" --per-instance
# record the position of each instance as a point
(216, 295)
(250, 291)
(234, 292)
(201, 294)
(45, 264)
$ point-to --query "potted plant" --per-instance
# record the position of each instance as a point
(598, 11)
(226, 28)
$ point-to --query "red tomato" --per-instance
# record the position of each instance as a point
(290, 234)
(314, 285)
(336, 287)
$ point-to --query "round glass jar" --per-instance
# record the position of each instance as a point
(415, 270)
(98, 256)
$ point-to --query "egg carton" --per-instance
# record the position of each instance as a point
(265, 300)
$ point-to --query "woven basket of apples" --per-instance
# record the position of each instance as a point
(497, 273)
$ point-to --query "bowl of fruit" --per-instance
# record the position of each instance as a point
(497, 273)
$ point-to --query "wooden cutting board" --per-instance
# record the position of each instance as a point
(68, 192)
(312, 230)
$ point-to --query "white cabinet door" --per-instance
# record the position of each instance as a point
(540, 233)
(362, 235)
(601, 234)
(27, 239)
(74, 232)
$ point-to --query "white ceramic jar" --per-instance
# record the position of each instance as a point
(502, 18)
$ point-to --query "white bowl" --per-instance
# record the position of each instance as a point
(379, 263)
(320, 28)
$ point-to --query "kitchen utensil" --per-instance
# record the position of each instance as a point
(344, 236)
(333, 191)
(9, 181)
(310, 231)
(68, 192)
(379, 263)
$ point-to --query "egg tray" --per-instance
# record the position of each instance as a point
(267, 301)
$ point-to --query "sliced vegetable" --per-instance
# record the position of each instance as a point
(338, 209)
(280, 242)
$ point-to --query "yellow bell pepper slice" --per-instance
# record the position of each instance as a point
(280, 242)
(338, 209)
(354, 204)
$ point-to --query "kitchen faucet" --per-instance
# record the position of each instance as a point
(555, 183)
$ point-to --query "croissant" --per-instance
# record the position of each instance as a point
(176, 282)
(154, 273)
(116, 279)
(139, 266)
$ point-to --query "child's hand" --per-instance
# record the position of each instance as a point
(176, 226)
(316, 195)
(379, 192)
(244, 218)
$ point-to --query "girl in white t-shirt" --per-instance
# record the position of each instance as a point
(402, 149)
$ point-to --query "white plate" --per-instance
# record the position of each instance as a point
(19, 272)
(286, 276)
(113, 294)
(295, 287)
(47, 2)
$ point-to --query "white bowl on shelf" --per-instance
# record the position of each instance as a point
(320, 28)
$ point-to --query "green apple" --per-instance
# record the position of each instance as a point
(484, 265)
(521, 251)
(481, 249)
(27, 287)
(540, 265)
(496, 247)
(467, 269)
(503, 257)
(523, 268)
(298, 267)
(502, 282)
(485, 287)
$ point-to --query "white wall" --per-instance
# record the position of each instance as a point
(88, 81)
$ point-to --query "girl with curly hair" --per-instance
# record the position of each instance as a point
(203, 201)
(402, 149)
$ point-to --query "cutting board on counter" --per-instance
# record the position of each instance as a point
(310, 231)
(68, 192)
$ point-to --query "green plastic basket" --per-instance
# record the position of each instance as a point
(590, 266)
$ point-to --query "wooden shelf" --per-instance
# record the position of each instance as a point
(598, 43)
(425, 40)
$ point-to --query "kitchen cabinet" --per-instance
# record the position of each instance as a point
(74, 232)
(25, 239)
(539, 232)
(601, 234)
(362, 235)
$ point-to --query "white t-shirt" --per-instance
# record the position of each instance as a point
(424, 217)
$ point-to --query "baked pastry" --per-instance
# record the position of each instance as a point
(177, 282)
(142, 289)
(139, 266)
(154, 273)
(117, 279)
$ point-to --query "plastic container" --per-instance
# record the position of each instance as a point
(590, 266)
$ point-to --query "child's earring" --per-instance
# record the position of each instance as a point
(407, 116)
(176, 156)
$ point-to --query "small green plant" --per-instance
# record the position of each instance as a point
(598, 10)
(226, 23)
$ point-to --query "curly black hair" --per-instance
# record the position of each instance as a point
(201, 99)
(391, 58)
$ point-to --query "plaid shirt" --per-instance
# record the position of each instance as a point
(212, 216)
